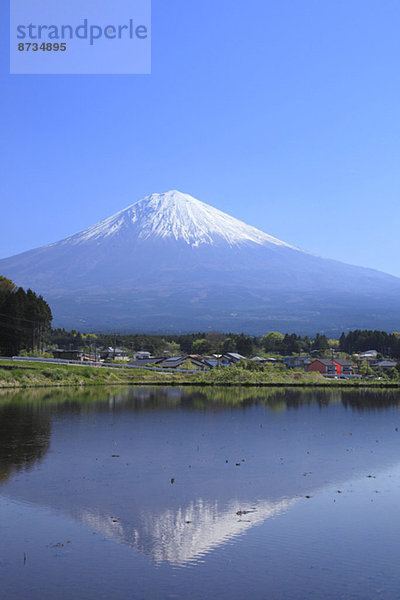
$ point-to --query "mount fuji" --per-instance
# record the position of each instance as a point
(170, 263)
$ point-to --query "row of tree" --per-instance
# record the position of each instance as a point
(215, 342)
(387, 344)
(25, 319)
(195, 343)
(359, 340)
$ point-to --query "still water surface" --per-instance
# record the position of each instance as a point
(157, 493)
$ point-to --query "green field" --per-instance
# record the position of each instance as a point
(15, 374)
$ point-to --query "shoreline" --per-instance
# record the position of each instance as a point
(278, 384)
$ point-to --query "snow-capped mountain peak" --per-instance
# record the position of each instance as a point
(170, 263)
(176, 216)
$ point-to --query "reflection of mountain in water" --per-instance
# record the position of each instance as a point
(114, 456)
(186, 534)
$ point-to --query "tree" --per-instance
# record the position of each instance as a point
(342, 342)
(228, 345)
(320, 342)
(244, 345)
(215, 339)
(7, 286)
(291, 344)
(173, 348)
(365, 369)
(25, 319)
(201, 346)
(272, 342)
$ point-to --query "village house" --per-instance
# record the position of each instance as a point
(146, 362)
(212, 360)
(369, 355)
(183, 362)
(384, 364)
(68, 354)
(141, 355)
(293, 362)
(230, 358)
(344, 367)
(333, 368)
(324, 366)
(114, 354)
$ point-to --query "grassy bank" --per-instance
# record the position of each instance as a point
(31, 374)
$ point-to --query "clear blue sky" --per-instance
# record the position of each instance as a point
(283, 113)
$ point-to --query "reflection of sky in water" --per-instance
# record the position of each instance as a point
(182, 480)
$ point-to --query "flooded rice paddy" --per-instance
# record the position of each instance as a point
(157, 493)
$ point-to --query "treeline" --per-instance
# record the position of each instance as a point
(198, 343)
(216, 342)
(25, 319)
(194, 343)
(359, 340)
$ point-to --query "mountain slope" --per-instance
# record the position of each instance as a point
(170, 263)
